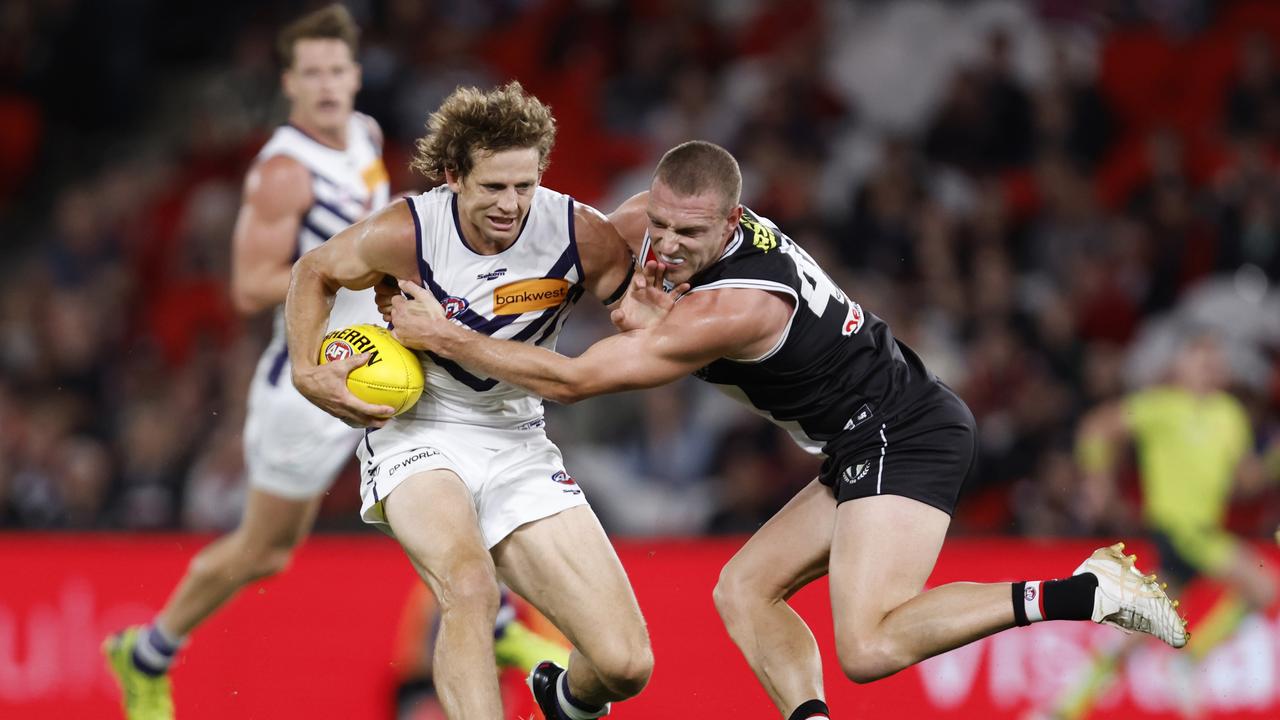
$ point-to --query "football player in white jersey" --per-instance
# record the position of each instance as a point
(467, 480)
(318, 174)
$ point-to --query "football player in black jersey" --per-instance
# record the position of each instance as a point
(725, 295)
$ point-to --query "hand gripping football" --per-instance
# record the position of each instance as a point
(392, 375)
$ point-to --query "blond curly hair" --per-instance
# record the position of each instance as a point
(471, 119)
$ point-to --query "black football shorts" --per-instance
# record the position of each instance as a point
(925, 452)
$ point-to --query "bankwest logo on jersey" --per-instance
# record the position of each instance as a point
(529, 295)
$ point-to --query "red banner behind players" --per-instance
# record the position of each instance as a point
(318, 641)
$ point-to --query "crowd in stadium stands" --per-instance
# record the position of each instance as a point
(1037, 196)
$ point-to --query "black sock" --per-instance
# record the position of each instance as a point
(810, 708)
(1067, 599)
(1019, 609)
(1070, 598)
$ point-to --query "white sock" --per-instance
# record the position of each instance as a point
(571, 708)
(155, 650)
(1033, 600)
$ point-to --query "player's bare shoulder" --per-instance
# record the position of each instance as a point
(394, 219)
(388, 240)
(631, 221)
(374, 129)
(606, 258)
(278, 183)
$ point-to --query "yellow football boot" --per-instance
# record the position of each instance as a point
(146, 697)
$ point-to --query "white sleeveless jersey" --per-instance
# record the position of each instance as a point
(346, 186)
(523, 293)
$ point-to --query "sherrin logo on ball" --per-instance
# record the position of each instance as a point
(392, 375)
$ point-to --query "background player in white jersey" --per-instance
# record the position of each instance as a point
(318, 174)
(763, 322)
(467, 481)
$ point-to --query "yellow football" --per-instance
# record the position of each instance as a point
(393, 374)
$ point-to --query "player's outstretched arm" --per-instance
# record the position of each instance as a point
(356, 258)
(701, 329)
(1098, 440)
(276, 194)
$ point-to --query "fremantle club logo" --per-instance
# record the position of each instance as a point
(338, 350)
(454, 306)
(567, 480)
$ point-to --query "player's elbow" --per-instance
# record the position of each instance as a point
(564, 393)
(259, 288)
(307, 274)
(570, 384)
(1105, 424)
(247, 301)
(247, 297)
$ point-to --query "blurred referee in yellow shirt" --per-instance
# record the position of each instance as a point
(1195, 449)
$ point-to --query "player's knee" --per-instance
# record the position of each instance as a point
(265, 557)
(732, 593)
(625, 669)
(261, 562)
(204, 565)
(272, 561)
(864, 661)
(238, 559)
(470, 589)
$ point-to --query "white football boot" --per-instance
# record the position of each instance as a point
(1130, 600)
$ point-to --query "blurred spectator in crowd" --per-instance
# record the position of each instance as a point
(1253, 102)
(748, 489)
(1069, 114)
(881, 233)
(985, 120)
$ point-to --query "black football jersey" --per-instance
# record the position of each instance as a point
(836, 369)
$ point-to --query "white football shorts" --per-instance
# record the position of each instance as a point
(515, 476)
(292, 448)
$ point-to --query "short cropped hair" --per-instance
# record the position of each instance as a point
(330, 22)
(470, 119)
(697, 166)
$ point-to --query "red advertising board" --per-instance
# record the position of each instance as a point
(318, 641)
